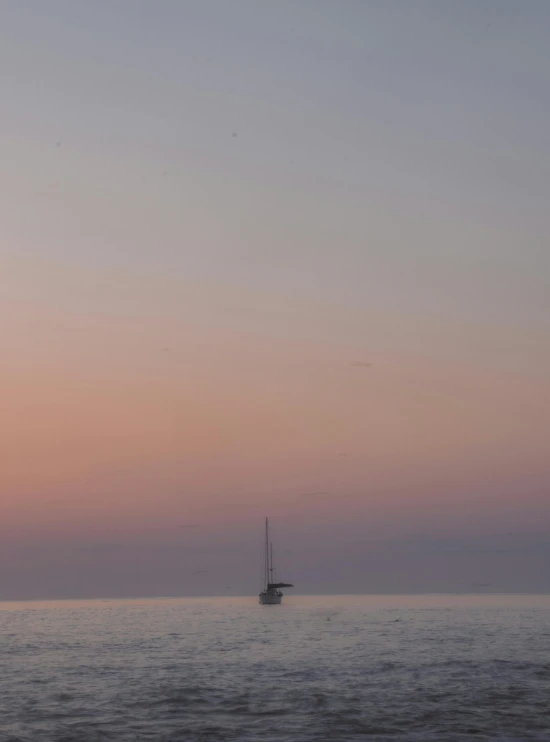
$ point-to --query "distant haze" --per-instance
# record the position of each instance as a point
(285, 259)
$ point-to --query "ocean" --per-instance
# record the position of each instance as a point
(332, 668)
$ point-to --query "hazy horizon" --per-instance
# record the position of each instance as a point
(285, 259)
(253, 598)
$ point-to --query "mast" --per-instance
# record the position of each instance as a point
(266, 553)
(271, 560)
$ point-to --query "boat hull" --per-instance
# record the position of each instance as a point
(271, 597)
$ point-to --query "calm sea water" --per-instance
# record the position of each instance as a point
(324, 668)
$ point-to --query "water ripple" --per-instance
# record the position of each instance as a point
(232, 670)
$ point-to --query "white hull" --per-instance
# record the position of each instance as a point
(270, 598)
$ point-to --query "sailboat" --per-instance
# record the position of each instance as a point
(271, 594)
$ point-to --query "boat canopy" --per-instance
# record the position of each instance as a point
(277, 585)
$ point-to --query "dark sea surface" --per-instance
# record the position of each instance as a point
(315, 668)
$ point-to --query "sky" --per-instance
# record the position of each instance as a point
(285, 259)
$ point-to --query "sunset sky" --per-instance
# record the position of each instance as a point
(213, 216)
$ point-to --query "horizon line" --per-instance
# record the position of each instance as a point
(104, 598)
